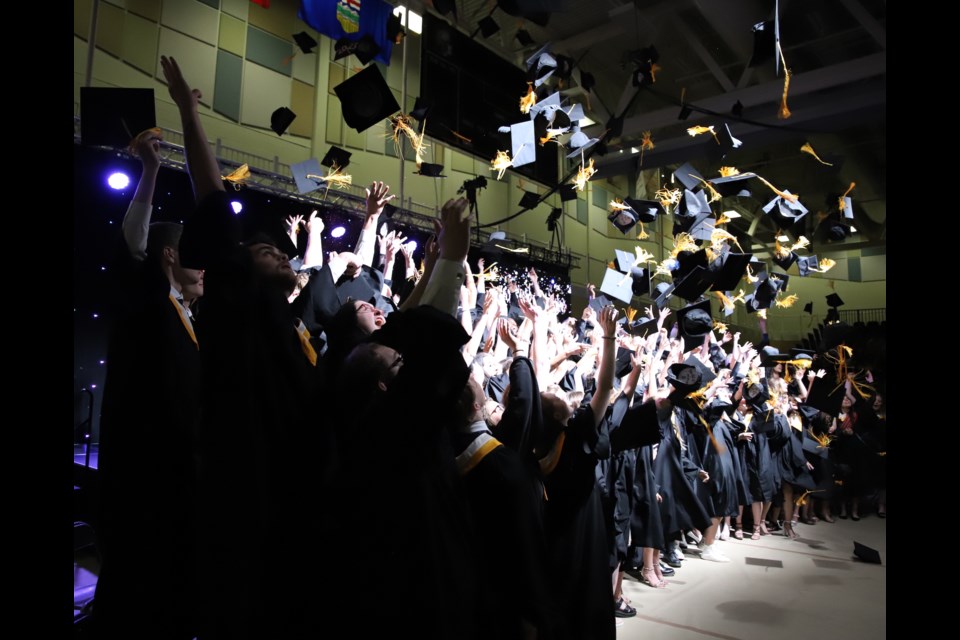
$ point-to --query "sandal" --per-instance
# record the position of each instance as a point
(788, 531)
(623, 610)
(649, 578)
(738, 534)
(756, 533)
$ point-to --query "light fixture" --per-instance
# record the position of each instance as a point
(783, 239)
(634, 150)
(412, 246)
(414, 22)
(118, 180)
(853, 229)
(337, 232)
(237, 206)
(401, 11)
(731, 214)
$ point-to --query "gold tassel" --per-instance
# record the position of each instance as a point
(153, 131)
(714, 194)
(335, 178)
(643, 235)
(802, 500)
(456, 134)
(781, 251)
(823, 440)
(718, 236)
(790, 197)
(683, 242)
(845, 194)
(719, 326)
(699, 129)
(583, 175)
(723, 219)
(727, 302)
(801, 243)
(618, 205)
(501, 162)
(612, 265)
(668, 197)
(806, 148)
(631, 313)
(239, 176)
(528, 100)
(826, 264)
(662, 270)
(713, 439)
(726, 172)
(784, 112)
(750, 277)
(647, 141)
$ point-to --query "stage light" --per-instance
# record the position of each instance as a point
(118, 180)
(412, 246)
(338, 232)
(237, 206)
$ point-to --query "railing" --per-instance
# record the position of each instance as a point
(272, 176)
(852, 316)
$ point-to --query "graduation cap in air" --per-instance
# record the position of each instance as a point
(693, 284)
(718, 148)
(281, 119)
(826, 396)
(687, 261)
(615, 127)
(421, 108)
(587, 81)
(687, 176)
(833, 300)
(770, 355)
(808, 308)
(524, 38)
(808, 264)
(641, 327)
(568, 192)
(737, 109)
(529, 200)
(365, 48)
(685, 112)
(865, 553)
(430, 170)
(336, 156)
(622, 365)
(623, 219)
(734, 185)
(626, 262)
(646, 210)
(523, 143)
(565, 66)
(113, 117)
(733, 266)
(700, 227)
(488, 26)
(617, 285)
(694, 322)
(366, 99)
(785, 262)
(784, 212)
(304, 41)
(764, 43)
(395, 30)
(706, 375)
(579, 142)
(490, 247)
(662, 293)
(306, 168)
(599, 302)
(684, 377)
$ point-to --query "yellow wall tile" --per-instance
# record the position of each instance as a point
(191, 18)
(110, 29)
(280, 19)
(82, 9)
(149, 9)
(233, 35)
(302, 101)
(140, 38)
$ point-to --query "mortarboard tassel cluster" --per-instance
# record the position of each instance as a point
(806, 148)
(238, 177)
(501, 163)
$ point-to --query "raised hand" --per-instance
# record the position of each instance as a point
(608, 321)
(454, 236)
(592, 290)
(146, 146)
(377, 197)
(292, 225)
(431, 253)
(314, 223)
(184, 97)
(532, 275)
(480, 264)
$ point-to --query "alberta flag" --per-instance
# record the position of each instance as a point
(351, 19)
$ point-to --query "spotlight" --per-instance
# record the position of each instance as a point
(412, 246)
(338, 232)
(118, 180)
(237, 206)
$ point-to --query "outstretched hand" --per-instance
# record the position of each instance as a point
(454, 230)
(377, 197)
(184, 97)
(314, 223)
(146, 146)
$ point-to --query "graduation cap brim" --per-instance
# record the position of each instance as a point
(787, 262)
(825, 396)
(281, 119)
(599, 302)
(833, 300)
(258, 229)
(622, 365)
(524, 38)
(732, 271)
(687, 175)
(488, 26)
(706, 375)
(646, 210)
(113, 117)
(641, 328)
(812, 446)
(430, 170)
(694, 284)
(364, 48)
(663, 294)
(693, 340)
(529, 200)
(732, 185)
(807, 264)
(568, 192)
(617, 285)
(865, 553)
(684, 377)
(365, 99)
(336, 156)
(623, 220)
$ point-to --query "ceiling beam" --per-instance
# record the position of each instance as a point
(705, 56)
(874, 28)
(838, 75)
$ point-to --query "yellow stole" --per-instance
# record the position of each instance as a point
(308, 349)
(477, 451)
(184, 319)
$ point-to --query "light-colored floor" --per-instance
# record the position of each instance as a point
(774, 588)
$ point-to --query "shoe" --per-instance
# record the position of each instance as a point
(670, 557)
(724, 532)
(788, 531)
(681, 546)
(881, 514)
(809, 521)
(738, 534)
(623, 610)
(756, 533)
(828, 519)
(693, 538)
(665, 570)
(710, 552)
(854, 517)
(649, 578)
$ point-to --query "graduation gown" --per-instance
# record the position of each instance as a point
(789, 456)
(720, 460)
(756, 465)
(681, 509)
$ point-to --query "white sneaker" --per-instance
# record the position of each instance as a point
(710, 552)
(676, 549)
(724, 532)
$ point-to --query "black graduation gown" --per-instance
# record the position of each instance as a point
(268, 454)
(756, 464)
(148, 464)
(717, 456)
(681, 509)
(789, 457)
(576, 536)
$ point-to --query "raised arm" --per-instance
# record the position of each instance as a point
(431, 253)
(453, 236)
(313, 254)
(601, 397)
(376, 199)
(136, 222)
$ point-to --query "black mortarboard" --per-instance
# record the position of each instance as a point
(685, 378)
(663, 292)
(798, 353)
(568, 192)
(564, 66)
(806, 264)
(784, 212)
(694, 323)
(529, 200)
(770, 355)
(764, 43)
(826, 396)
(615, 125)
(395, 30)
(599, 302)
(524, 37)
(490, 247)
(622, 365)
(785, 262)
(807, 413)
(808, 308)
(617, 285)
(734, 185)
(833, 335)
(756, 395)
(430, 170)
(365, 48)
(865, 553)
(114, 117)
(732, 270)
(694, 284)
(488, 26)
(281, 119)
(336, 156)
(765, 293)
(687, 261)
(641, 327)
(303, 169)
(366, 99)
(304, 41)
(810, 445)
(833, 300)
(261, 228)
(687, 175)
(706, 375)
(587, 81)
(646, 210)
(421, 107)
(737, 109)
(624, 219)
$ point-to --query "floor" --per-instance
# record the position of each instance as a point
(773, 589)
